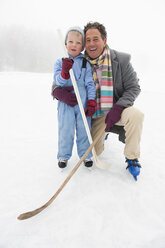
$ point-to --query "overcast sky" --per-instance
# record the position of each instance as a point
(129, 20)
(53, 14)
(133, 26)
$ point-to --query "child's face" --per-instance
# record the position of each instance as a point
(74, 43)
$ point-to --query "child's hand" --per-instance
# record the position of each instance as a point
(90, 108)
(66, 66)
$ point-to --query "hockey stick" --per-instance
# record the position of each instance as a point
(38, 210)
(99, 164)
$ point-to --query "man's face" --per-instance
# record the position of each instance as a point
(94, 44)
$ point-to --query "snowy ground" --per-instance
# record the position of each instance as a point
(98, 209)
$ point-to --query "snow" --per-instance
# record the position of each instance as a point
(96, 208)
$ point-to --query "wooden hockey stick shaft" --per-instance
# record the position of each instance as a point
(38, 210)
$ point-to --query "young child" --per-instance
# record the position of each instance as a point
(69, 116)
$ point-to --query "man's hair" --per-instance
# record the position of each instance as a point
(96, 25)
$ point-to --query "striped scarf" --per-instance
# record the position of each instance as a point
(104, 90)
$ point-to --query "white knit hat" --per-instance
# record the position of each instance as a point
(78, 29)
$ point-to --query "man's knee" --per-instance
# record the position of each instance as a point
(134, 114)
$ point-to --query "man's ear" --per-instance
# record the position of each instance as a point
(105, 42)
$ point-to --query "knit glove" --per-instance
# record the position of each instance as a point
(113, 116)
(66, 66)
(65, 95)
(90, 108)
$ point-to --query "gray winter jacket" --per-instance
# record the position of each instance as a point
(126, 87)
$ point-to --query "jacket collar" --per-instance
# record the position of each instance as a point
(114, 62)
(78, 56)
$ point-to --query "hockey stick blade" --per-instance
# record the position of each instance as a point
(38, 210)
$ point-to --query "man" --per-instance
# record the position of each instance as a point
(116, 90)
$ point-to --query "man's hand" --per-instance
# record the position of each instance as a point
(65, 95)
(113, 116)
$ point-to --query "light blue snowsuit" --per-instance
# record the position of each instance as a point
(69, 118)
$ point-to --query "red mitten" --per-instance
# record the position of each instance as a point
(113, 116)
(90, 108)
(66, 66)
(65, 95)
